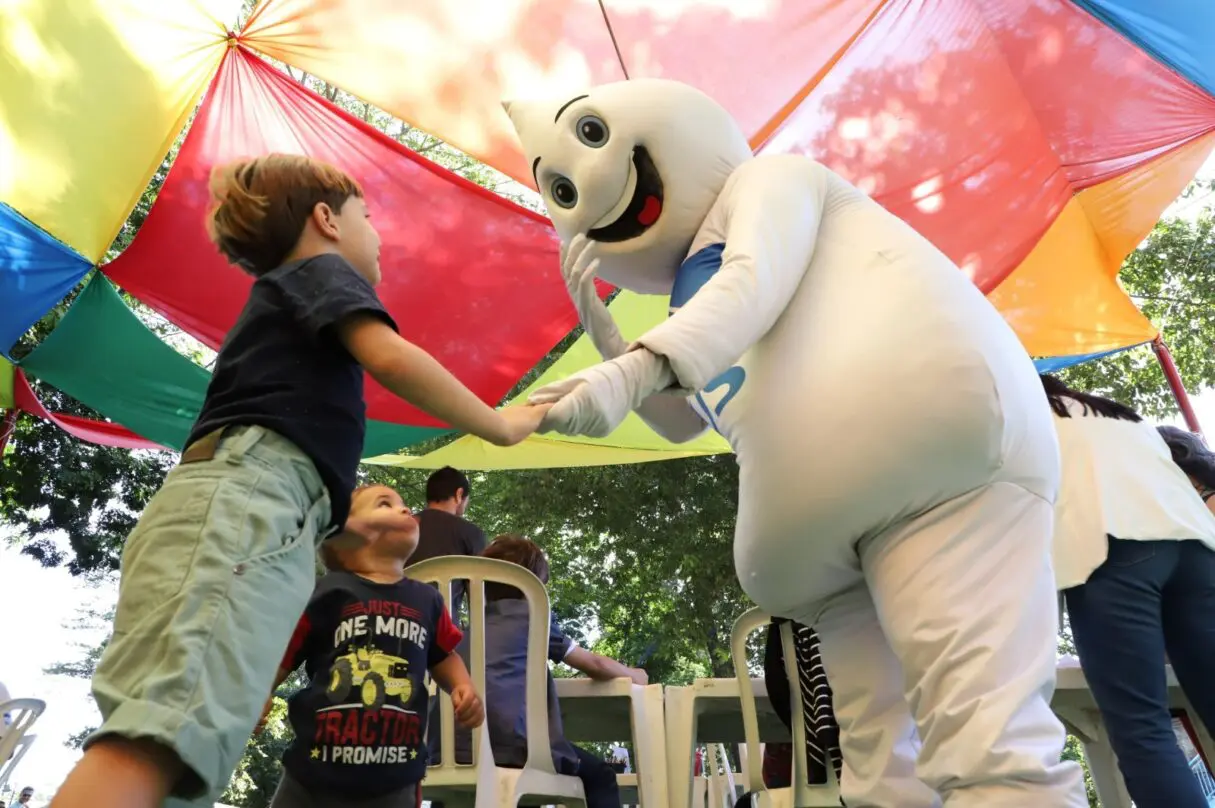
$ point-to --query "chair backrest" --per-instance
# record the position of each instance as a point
(477, 571)
(804, 794)
(23, 712)
(23, 746)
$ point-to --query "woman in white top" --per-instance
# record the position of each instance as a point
(1135, 557)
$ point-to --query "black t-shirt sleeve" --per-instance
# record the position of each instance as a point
(324, 290)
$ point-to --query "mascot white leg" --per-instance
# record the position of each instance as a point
(877, 731)
(957, 594)
(897, 456)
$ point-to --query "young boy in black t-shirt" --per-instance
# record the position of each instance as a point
(223, 558)
(366, 640)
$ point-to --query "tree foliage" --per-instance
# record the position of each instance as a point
(1172, 278)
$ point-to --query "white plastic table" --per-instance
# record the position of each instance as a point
(710, 712)
(615, 711)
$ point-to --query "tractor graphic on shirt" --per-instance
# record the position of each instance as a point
(376, 674)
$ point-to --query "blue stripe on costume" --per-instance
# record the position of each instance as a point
(694, 273)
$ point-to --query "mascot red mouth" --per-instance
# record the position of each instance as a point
(644, 209)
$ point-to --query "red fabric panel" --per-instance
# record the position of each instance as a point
(782, 48)
(1104, 105)
(102, 433)
(971, 119)
(469, 276)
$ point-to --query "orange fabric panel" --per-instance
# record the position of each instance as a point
(444, 66)
(1061, 301)
(1124, 210)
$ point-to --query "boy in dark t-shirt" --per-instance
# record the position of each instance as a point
(366, 640)
(223, 558)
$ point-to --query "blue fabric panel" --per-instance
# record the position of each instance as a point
(1179, 33)
(36, 272)
(1051, 364)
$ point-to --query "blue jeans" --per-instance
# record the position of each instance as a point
(1149, 598)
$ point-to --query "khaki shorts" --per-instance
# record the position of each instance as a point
(214, 579)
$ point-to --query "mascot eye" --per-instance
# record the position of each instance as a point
(563, 192)
(592, 131)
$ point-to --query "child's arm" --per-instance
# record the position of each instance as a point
(452, 675)
(414, 375)
(603, 669)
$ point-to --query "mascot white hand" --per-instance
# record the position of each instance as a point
(897, 458)
(595, 401)
(578, 268)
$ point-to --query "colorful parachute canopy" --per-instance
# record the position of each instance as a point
(1035, 142)
(103, 433)
(468, 275)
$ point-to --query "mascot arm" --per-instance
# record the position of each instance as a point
(772, 207)
(672, 417)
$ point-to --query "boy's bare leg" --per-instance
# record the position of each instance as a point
(120, 773)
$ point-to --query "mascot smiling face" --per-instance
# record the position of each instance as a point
(634, 165)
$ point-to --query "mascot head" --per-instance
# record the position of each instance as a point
(634, 165)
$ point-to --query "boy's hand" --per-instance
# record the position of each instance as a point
(470, 714)
(522, 421)
(639, 677)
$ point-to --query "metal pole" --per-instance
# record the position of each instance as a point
(1175, 384)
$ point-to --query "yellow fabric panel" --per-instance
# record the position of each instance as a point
(6, 383)
(1123, 210)
(1061, 301)
(632, 442)
(473, 454)
(92, 94)
(444, 66)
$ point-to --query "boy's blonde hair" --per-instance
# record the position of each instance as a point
(260, 206)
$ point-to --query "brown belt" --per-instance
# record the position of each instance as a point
(204, 448)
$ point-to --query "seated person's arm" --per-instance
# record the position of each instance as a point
(601, 668)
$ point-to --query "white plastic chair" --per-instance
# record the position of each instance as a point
(722, 791)
(801, 794)
(494, 786)
(14, 740)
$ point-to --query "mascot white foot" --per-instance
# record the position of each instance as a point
(898, 460)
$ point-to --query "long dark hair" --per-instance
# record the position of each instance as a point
(1056, 391)
(1191, 454)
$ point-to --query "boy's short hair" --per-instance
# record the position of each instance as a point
(260, 206)
(444, 484)
(517, 550)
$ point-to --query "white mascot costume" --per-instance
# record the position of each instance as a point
(897, 458)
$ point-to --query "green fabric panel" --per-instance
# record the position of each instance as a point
(6, 384)
(103, 356)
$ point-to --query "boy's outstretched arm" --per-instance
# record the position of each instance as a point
(603, 668)
(452, 675)
(414, 375)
